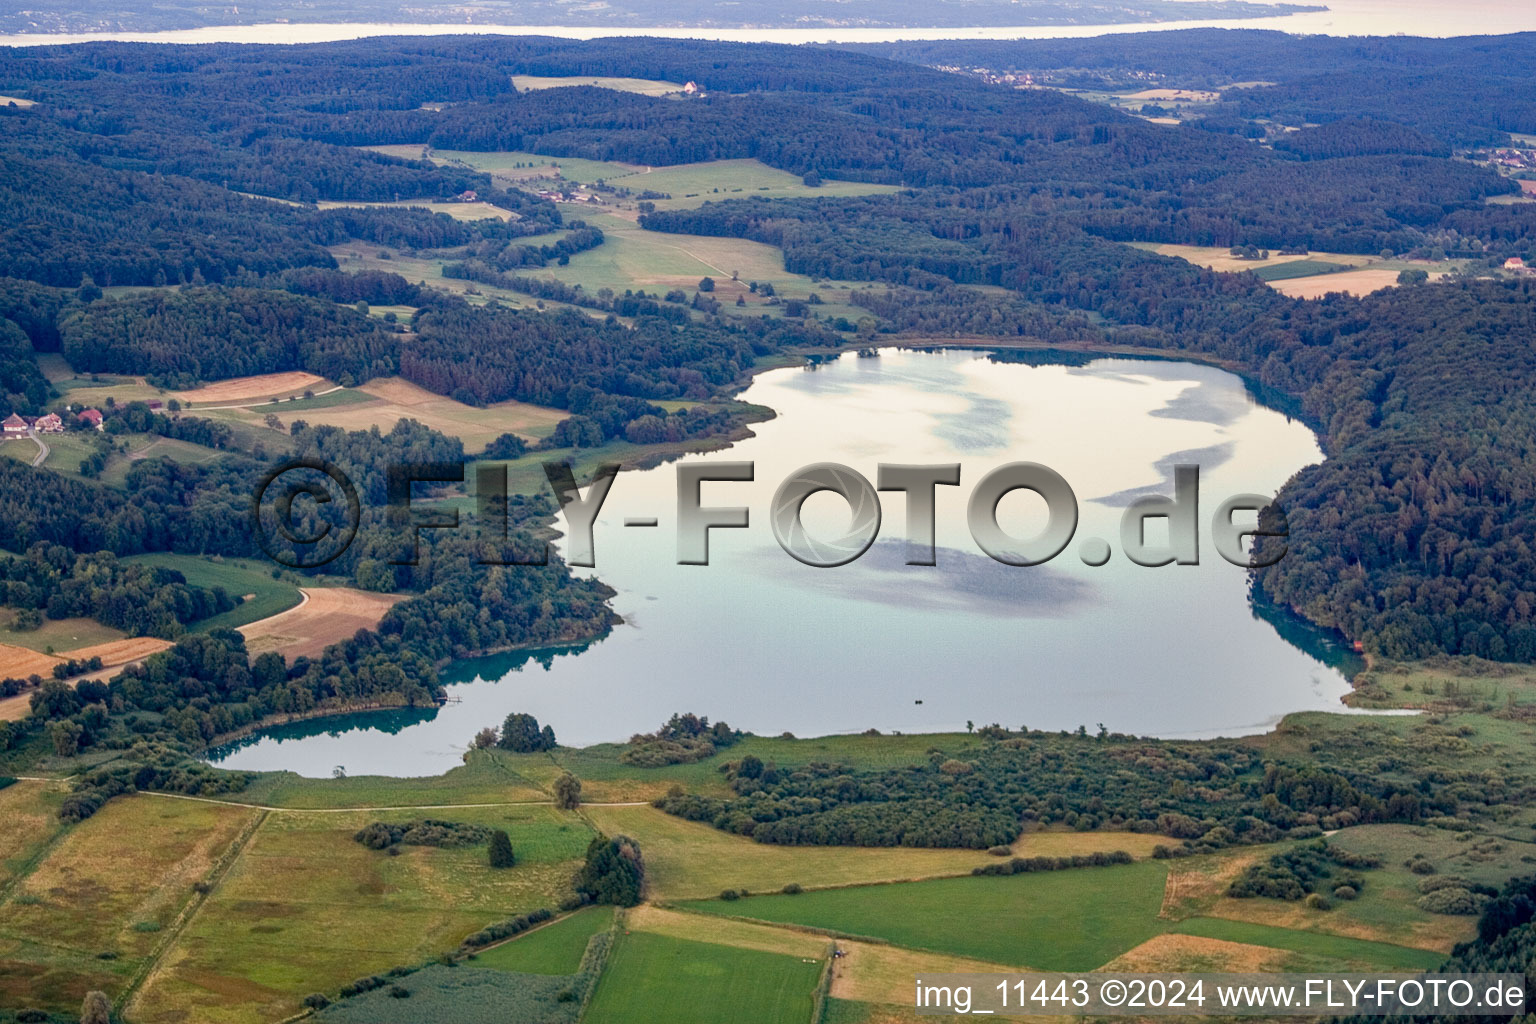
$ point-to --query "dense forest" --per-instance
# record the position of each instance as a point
(184, 337)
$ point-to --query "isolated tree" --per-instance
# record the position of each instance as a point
(811, 179)
(485, 738)
(501, 850)
(706, 284)
(567, 792)
(97, 1009)
(1412, 276)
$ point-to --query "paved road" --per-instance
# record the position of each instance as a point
(42, 447)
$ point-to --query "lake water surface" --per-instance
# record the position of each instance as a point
(768, 644)
(1438, 18)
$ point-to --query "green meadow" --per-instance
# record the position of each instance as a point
(554, 948)
(1056, 921)
(655, 978)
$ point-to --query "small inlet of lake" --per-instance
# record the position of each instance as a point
(770, 645)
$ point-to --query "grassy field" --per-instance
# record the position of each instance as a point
(643, 86)
(689, 185)
(458, 211)
(658, 978)
(86, 896)
(90, 913)
(487, 778)
(1093, 914)
(518, 165)
(692, 185)
(633, 258)
(30, 812)
(56, 635)
(252, 580)
(306, 908)
(1385, 909)
(1295, 268)
(555, 948)
(687, 859)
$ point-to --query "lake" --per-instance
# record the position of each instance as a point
(1438, 18)
(771, 645)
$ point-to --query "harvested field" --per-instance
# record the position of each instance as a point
(19, 662)
(723, 932)
(395, 399)
(872, 973)
(114, 655)
(325, 616)
(1180, 95)
(1170, 953)
(120, 652)
(1355, 282)
(266, 385)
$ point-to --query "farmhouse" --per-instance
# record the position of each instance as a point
(469, 195)
(692, 89)
(49, 424)
(14, 426)
(90, 417)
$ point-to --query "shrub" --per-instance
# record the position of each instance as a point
(1317, 901)
(381, 835)
(501, 854)
(567, 792)
(792, 889)
(1345, 892)
(730, 894)
(1453, 900)
(316, 1001)
(1000, 851)
(501, 930)
(399, 992)
(1421, 867)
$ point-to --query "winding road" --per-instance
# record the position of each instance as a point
(42, 447)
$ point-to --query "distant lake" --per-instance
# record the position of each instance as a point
(767, 644)
(1343, 18)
